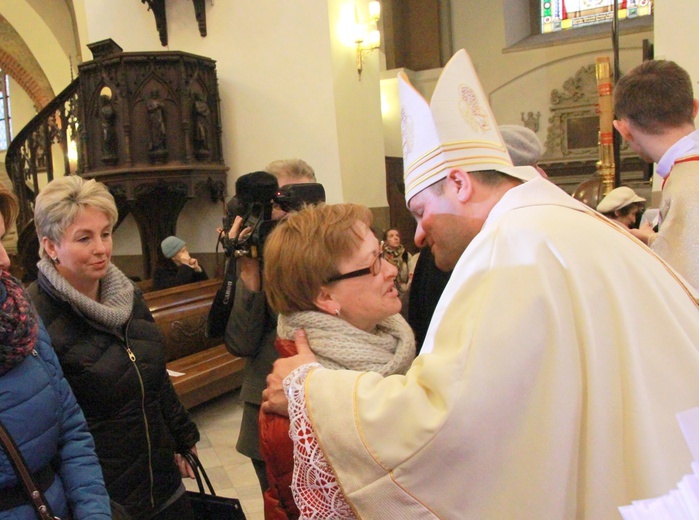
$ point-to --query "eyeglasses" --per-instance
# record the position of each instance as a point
(374, 269)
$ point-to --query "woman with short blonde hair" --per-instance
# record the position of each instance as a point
(111, 351)
(39, 411)
(60, 202)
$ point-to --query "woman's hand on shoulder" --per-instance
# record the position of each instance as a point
(273, 397)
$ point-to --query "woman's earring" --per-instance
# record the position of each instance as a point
(55, 260)
(337, 312)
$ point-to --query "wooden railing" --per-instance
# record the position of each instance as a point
(31, 159)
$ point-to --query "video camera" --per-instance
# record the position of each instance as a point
(256, 195)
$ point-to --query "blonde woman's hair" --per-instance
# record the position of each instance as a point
(293, 169)
(304, 249)
(62, 199)
(9, 207)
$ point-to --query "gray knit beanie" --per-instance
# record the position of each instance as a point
(171, 246)
(522, 143)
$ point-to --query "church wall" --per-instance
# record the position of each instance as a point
(676, 36)
(531, 91)
(282, 95)
(676, 39)
(498, 66)
(358, 113)
(41, 41)
(515, 81)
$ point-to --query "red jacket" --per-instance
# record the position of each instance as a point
(277, 449)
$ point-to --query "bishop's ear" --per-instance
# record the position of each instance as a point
(462, 182)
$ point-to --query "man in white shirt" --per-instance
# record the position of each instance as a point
(655, 110)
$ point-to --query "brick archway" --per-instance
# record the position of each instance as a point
(17, 61)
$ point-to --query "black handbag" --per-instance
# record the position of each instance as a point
(34, 494)
(209, 506)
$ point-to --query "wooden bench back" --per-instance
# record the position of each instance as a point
(181, 314)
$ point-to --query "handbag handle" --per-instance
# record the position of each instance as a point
(36, 497)
(199, 472)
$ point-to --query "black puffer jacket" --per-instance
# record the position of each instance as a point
(132, 411)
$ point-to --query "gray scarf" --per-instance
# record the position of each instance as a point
(116, 295)
(390, 349)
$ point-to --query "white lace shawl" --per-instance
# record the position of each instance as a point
(314, 486)
(389, 349)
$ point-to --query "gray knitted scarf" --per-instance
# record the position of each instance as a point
(390, 349)
(116, 295)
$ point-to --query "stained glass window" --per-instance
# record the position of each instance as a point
(559, 15)
(5, 121)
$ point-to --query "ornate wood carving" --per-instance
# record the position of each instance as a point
(572, 135)
(160, 14)
(31, 151)
(158, 8)
(166, 154)
(200, 14)
(577, 99)
(160, 139)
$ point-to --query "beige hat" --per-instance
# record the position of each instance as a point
(618, 198)
(456, 130)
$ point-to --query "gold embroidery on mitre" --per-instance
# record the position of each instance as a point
(471, 109)
(407, 131)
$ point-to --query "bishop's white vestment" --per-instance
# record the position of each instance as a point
(555, 363)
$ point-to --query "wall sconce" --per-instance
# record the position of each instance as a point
(367, 36)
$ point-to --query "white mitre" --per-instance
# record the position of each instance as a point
(456, 130)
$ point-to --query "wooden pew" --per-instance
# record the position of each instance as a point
(208, 369)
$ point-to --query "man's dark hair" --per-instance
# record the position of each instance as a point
(655, 95)
(492, 177)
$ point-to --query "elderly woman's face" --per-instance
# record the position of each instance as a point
(85, 249)
(364, 300)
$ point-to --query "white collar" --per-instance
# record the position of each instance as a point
(681, 148)
(536, 192)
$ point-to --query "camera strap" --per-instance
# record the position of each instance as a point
(223, 303)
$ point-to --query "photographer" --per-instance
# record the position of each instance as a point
(252, 326)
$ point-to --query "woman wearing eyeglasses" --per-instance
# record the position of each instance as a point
(324, 273)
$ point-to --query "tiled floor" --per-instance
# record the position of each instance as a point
(231, 474)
